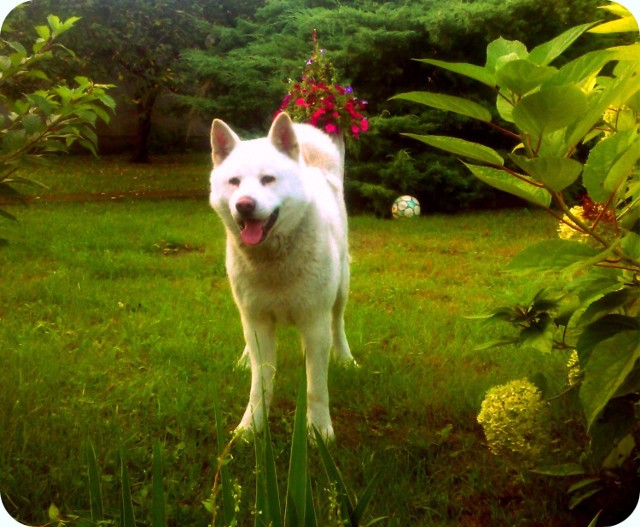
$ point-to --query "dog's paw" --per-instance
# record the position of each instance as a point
(246, 433)
(347, 362)
(326, 434)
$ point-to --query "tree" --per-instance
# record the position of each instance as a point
(42, 118)
(242, 75)
(136, 43)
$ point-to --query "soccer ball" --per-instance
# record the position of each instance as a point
(405, 207)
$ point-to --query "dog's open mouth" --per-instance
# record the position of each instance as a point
(253, 231)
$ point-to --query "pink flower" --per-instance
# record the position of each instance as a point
(331, 128)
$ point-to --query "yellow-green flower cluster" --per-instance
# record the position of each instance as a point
(515, 422)
(568, 230)
(574, 373)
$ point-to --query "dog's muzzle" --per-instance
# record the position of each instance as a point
(253, 231)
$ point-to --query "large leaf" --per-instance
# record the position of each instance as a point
(557, 173)
(461, 147)
(611, 361)
(522, 76)
(583, 68)
(549, 109)
(449, 103)
(621, 25)
(545, 53)
(609, 160)
(502, 180)
(501, 51)
(469, 70)
(550, 255)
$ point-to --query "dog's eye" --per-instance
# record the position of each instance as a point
(234, 181)
(266, 180)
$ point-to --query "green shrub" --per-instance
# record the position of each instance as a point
(38, 123)
(590, 107)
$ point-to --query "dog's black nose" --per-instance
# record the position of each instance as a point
(245, 205)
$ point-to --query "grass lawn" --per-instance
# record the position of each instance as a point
(117, 326)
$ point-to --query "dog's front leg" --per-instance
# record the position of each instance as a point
(316, 342)
(260, 339)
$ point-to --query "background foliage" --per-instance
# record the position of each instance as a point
(232, 60)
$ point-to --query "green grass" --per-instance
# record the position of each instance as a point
(117, 327)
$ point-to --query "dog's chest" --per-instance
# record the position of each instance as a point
(285, 289)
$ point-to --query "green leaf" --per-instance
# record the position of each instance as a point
(54, 24)
(334, 476)
(31, 123)
(621, 25)
(549, 109)
(550, 255)
(504, 181)
(296, 503)
(461, 147)
(609, 364)
(469, 70)
(448, 103)
(44, 32)
(609, 161)
(522, 76)
(582, 68)
(563, 470)
(545, 53)
(501, 51)
(557, 173)
(365, 498)
(608, 303)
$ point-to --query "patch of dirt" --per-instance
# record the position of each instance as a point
(82, 197)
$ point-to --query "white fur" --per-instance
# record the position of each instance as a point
(299, 273)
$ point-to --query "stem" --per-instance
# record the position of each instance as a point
(509, 133)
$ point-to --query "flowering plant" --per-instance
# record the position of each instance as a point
(554, 115)
(318, 99)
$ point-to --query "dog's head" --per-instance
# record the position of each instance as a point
(256, 185)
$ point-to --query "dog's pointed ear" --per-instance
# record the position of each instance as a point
(223, 141)
(283, 136)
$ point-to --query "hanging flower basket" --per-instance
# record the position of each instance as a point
(318, 99)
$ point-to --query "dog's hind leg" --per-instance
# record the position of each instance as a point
(341, 351)
(260, 339)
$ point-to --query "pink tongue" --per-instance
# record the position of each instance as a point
(251, 234)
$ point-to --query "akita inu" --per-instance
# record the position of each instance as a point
(282, 204)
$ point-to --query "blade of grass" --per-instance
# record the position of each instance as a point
(297, 479)
(334, 476)
(95, 493)
(271, 478)
(311, 520)
(127, 518)
(228, 503)
(157, 491)
(365, 498)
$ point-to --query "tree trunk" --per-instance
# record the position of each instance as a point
(144, 110)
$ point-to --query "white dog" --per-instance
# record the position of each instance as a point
(282, 204)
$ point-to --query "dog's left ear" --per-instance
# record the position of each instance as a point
(283, 137)
(223, 141)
